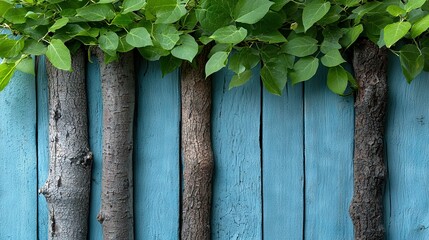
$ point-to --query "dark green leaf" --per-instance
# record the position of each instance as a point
(332, 58)
(34, 47)
(96, 12)
(252, 11)
(337, 80)
(274, 76)
(412, 61)
(304, 69)
(169, 64)
(240, 79)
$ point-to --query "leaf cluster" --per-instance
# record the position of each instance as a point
(290, 39)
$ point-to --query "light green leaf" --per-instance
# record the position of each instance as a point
(243, 60)
(313, 12)
(414, 4)
(10, 48)
(301, 46)
(351, 35)
(420, 27)
(332, 58)
(412, 61)
(59, 24)
(26, 65)
(16, 15)
(34, 47)
(139, 37)
(109, 42)
(337, 80)
(96, 12)
(59, 55)
(251, 11)
(123, 46)
(304, 69)
(395, 31)
(132, 5)
(229, 34)
(240, 79)
(187, 48)
(4, 6)
(169, 12)
(166, 35)
(395, 10)
(216, 62)
(6, 72)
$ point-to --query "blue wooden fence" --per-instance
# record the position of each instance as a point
(283, 165)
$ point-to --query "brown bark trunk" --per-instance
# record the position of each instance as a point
(366, 210)
(118, 91)
(197, 151)
(68, 186)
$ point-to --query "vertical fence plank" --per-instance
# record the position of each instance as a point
(18, 159)
(328, 161)
(407, 156)
(42, 145)
(156, 162)
(236, 113)
(283, 164)
(95, 116)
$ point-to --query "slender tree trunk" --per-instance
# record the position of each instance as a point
(197, 151)
(68, 186)
(366, 210)
(118, 90)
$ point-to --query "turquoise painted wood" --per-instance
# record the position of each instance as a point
(42, 145)
(328, 135)
(407, 151)
(237, 192)
(18, 159)
(157, 160)
(283, 164)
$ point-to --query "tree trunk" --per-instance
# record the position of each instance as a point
(197, 151)
(118, 91)
(366, 210)
(67, 188)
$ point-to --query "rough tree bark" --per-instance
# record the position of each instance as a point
(118, 91)
(67, 188)
(197, 151)
(366, 210)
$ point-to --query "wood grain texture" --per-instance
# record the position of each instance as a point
(156, 164)
(283, 164)
(407, 136)
(42, 146)
(18, 159)
(328, 161)
(95, 116)
(236, 206)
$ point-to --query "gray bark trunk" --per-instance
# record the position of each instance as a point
(197, 151)
(366, 210)
(67, 188)
(118, 90)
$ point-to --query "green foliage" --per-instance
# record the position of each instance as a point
(285, 39)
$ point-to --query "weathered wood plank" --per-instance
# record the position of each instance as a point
(18, 159)
(42, 145)
(237, 206)
(328, 161)
(407, 138)
(156, 163)
(95, 116)
(283, 164)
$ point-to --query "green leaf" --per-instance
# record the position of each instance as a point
(304, 69)
(332, 58)
(351, 35)
(337, 80)
(6, 72)
(251, 11)
(279, 4)
(10, 48)
(4, 6)
(425, 52)
(16, 15)
(139, 37)
(395, 31)
(243, 60)
(301, 46)
(166, 35)
(420, 27)
(34, 47)
(169, 64)
(395, 10)
(59, 55)
(414, 4)
(313, 12)
(96, 12)
(274, 76)
(26, 65)
(132, 5)
(109, 42)
(216, 62)
(123, 46)
(153, 53)
(412, 61)
(229, 34)
(187, 48)
(166, 11)
(240, 79)
(59, 24)
(122, 20)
